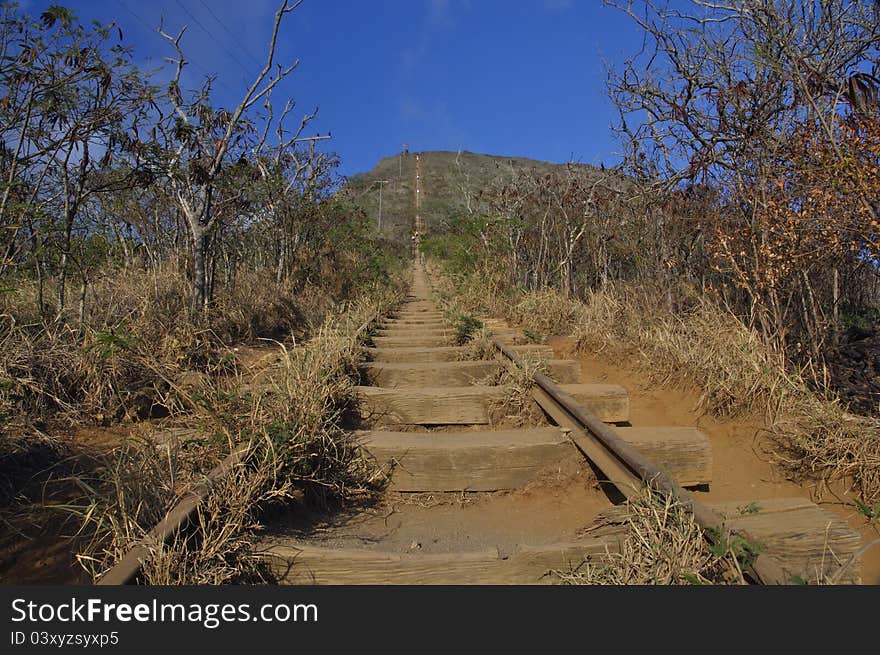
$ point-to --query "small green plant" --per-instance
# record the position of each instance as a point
(465, 326)
(752, 508)
(533, 336)
(113, 341)
(745, 551)
(871, 512)
(690, 578)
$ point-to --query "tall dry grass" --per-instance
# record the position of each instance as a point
(124, 357)
(738, 374)
(292, 424)
(135, 352)
(517, 408)
(706, 347)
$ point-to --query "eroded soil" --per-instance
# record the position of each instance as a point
(552, 509)
(741, 447)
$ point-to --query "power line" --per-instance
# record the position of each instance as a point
(230, 33)
(213, 38)
(194, 63)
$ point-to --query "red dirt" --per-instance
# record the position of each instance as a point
(743, 470)
(42, 531)
(553, 508)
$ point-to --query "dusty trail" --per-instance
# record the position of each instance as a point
(739, 448)
(473, 500)
(468, 501)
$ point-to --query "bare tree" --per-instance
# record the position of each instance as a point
(741, 98)
(198, 142)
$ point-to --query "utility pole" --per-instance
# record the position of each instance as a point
(379, 221)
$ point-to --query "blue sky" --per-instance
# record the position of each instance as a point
(522, 78)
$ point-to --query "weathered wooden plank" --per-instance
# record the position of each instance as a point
(442, 353)
(418, 308)
(417, 317)
(471, 405)
(511, 337)
(421, 332)
(564, 371)
(684, 453)
(410, 342)
(430, 374)
(609, 402)
(413, 325)
(810, 542)
(305, 564)
(465, 461)
(454, 373)
(429, 405)
(415, 354)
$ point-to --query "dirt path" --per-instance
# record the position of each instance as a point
(476, 496)
(470, 498)
(740, 448)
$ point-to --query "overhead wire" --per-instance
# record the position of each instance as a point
(196, 64)
(201, 26)
(232, 34)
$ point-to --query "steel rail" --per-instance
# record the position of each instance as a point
(625, 467)
(126, 570)
(178, 517)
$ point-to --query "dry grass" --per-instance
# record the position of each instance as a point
(479, 294)
(221, 547)
(293, 423)
(662, 545)
(135, 352)
(478, 347)
(546, 312)
(517, 408)
(818, 440)
(123, 359)
(739, 373)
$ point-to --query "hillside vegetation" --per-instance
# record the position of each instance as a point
(737, 246)
(451, 182)
(147, 235)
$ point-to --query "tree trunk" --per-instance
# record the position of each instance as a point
(212, 277)
(200, 287)
(63, 264)
(279, 271)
